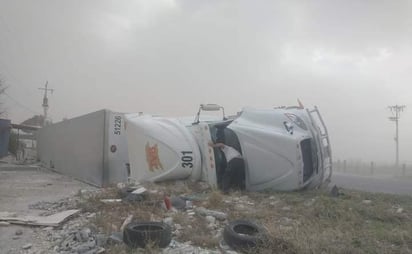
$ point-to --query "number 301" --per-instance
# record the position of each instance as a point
(187, 159)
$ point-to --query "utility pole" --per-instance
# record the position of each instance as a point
(45, 101)
(395, 117)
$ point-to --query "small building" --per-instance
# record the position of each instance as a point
(5, 126)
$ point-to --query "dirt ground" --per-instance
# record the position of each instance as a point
(311, 221)
(21, 186)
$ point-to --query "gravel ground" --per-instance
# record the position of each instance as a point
(21, 188)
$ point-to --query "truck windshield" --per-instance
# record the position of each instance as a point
(309, 155)
(220, 133)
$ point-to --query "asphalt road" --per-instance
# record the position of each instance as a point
(372, 184)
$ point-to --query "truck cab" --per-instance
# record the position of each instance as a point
(285, 148)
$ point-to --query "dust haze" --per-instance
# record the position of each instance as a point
(350, 58)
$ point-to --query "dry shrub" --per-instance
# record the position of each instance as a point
(215, 200)
(195, 230)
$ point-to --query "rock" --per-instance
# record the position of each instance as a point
(211, 226)
(18, 232)
(85, 234)
(132, 197)
(205, 212)
(83, 248)
(27, 246)
(92, 215)
(399, 210)
(4, 223)
(334, 192)
(285, 220)
(309, 202)
(366, 201)
(15, 237)
(285, 228)
(178, 202)
(121, 185)
(240, 207)
(115, 238)
(178, 227)
(101, 240)
(273, 203)
(168, 220)
(211, 219)
(190, 212)
(100, 250)
(189, 204)
(179, 248)
(286, 208)
(84, 191)
(67, 242)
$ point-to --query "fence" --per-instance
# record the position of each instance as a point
(372, 168)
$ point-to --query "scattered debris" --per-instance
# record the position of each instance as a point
(309, 202)
(334, 192)
(111, 201)
(7, 214)
(286, 208)
(139, 190)
(178, 203)
(126, 222)
(79, 241)
(243, 234)
(139, 234)
(168, 221)
(51, 220)
(4, 223)
(187, 247)
(54, 207)
(205, 212)
(167, 202)
(27, 246)
(366, 201)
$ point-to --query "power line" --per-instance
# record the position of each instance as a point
(45, 100)
(21, 104)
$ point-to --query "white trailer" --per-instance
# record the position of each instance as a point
(91, 148)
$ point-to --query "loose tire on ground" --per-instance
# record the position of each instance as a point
(243, 234)
(139, 234)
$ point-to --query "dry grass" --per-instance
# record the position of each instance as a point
(214, 200)
(297, 222)
(314, 222)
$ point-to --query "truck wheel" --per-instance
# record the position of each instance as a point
(243, 234)
(139, 234)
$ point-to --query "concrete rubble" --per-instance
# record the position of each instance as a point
(79, 235)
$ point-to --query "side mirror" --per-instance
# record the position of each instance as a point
(209, 107)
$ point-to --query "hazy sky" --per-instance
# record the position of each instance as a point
(350, 58)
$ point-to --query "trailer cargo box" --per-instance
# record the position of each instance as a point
(91, 148)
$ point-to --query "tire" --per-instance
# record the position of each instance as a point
(139, 234)
(243, 234)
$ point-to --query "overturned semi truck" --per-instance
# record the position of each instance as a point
(285, 148)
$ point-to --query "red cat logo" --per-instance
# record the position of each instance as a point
(152, 157)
